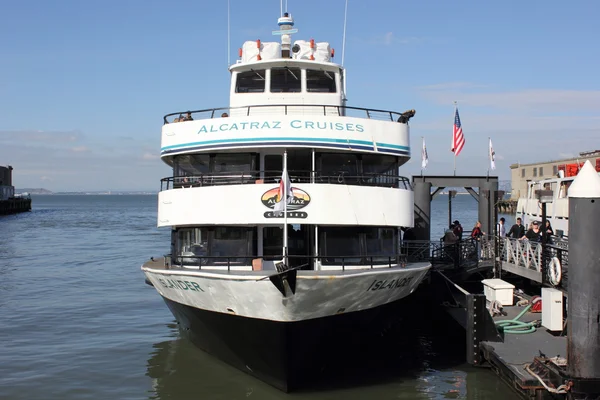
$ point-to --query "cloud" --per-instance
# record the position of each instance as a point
(566, 155)
(388, 39)
(41, 136)
(522, 101)
(149, 156)
(79, 149)
(451, 86)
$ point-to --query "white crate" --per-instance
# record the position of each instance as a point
(552, 309)
(497, 289)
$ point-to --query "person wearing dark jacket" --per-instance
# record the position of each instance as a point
(517, 231)
(458, 229)
(533, 234)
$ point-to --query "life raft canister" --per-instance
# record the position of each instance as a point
(555, 271)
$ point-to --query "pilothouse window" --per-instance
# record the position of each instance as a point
(320, 81)
(286, 80)
(250, 81)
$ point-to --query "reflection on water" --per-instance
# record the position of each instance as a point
(414, 357)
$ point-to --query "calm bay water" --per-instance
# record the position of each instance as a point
(78, 322)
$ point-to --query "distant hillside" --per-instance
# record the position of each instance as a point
(33, 191)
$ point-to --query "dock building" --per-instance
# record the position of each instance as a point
(522, 173)
(9, 202)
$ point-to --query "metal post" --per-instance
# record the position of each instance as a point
(422, 192)
(449, 208)
(487, 204)
(583, 341)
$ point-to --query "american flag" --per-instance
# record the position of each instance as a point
(458, 139)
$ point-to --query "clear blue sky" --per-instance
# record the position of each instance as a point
(84, 84)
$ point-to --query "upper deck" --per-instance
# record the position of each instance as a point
(316, 126)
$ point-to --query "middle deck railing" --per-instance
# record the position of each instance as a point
(296, 176)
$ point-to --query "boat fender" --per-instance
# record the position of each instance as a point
(555, 271)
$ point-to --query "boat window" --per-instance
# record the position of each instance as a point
(250, 81)
(286, 79)
(191, 164)
(334, 164)
(535, 171)
(541, 171)
(379, 170)
(381, 243)
(239, 162)
(320, 81)
(336, 243)
(213, 245)
(357, 245)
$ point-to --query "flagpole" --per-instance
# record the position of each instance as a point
(455, 108)
(489, 157)
(422, 146)
(284, 199)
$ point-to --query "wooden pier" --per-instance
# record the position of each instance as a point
(15, 205)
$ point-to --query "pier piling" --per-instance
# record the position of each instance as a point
(583, 346)
(422, 193)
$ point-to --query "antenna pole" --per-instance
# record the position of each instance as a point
(344, 37)
(228, 36)
(281, 8)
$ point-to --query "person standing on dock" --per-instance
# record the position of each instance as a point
(517, 231)
(501, 229)
(458, 229)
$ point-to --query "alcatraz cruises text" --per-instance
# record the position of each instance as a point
(294, 124)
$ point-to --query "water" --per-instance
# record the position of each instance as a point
(78, 322)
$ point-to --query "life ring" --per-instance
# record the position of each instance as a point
(555, 271)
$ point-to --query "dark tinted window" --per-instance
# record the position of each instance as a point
(358, 245)
(320, 81)
(286, 80)
(212, 246)
(250, 81)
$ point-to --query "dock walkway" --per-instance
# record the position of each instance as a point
(509, 358)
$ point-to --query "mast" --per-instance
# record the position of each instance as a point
(285, 202)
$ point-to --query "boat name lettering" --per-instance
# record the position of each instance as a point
(389, 284)
(295, 124)
(182, 285)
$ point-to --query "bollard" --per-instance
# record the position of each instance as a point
(583, 340)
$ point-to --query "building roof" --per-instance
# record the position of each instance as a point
(584, 155)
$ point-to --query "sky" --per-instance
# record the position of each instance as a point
(84, 84)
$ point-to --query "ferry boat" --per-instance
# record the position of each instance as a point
(529, 208)
(285, 211)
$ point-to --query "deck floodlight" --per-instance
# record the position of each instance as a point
(452, 193)
(544, 196)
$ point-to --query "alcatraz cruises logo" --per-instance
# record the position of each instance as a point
(299, 200)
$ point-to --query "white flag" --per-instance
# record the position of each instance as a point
(285, 192)
(492, 156)
(424, 157)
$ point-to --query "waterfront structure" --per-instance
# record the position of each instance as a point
(9, 202)
(521, 174)
(285, 211)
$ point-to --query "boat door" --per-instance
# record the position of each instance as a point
(301, 237)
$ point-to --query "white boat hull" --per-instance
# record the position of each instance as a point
(317, 294)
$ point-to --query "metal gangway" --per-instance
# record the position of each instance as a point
(547, 263)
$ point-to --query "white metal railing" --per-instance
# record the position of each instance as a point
(522, 253)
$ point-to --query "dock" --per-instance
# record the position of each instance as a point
(547, 350)
(15, 205)
(11, 203)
